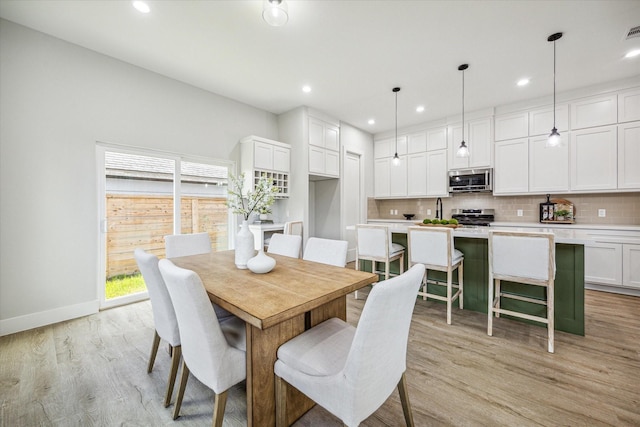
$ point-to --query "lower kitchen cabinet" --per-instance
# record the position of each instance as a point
(631, 265)
(616, 264)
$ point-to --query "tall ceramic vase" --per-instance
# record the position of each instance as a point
(244, 246)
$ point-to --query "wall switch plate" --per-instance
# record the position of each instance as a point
(602, 213)
(519, 212)
(428, 211)
(395, 211)
(390, 211)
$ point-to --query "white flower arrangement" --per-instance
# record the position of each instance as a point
(259, 200)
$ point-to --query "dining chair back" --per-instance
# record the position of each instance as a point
(205, 350)
(434, 248)
(293, 227)
(352, 371)
(177, 245)
(526, 258)
(285, 244)
(373, 243)
(164, 316)
(326, 251)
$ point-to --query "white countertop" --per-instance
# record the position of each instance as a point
(267, 227)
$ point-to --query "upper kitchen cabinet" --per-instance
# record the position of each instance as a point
(437, 174)
(548, 166)
(511, 167)
(390, 180)
(479, 139)
(437, 138)
(324, 148)
(512, 126)
(416, 143)
(629, 155)
(594, 159)
(265, 157)
(629, 106)
(387, 147)
(541, 120)
(594, 111)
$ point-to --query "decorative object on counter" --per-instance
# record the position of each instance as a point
(396, 159)
(463, 150)
(554, 137)
(558, 211)
(258, 200)
(449, 223)
(408, 217)
(261, 263)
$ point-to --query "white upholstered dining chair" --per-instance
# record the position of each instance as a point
(433, 247)
(528, 258)
(164, 317)
(213, 351)
(352, 371)
(326, 251)
(285, 244)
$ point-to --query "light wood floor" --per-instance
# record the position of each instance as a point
(92, 372)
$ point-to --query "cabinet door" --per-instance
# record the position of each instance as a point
(383, 148)
(398, 178)
(629, 155)
(331, 137)
(594, 111)
(603, 263)
(512, 126)
(480, 143)
(417, 174)
(316, 160)
(332, 163)
(382, 178)
(262, 155)
(511, 167)
(437, 139)
(281, 159)
(417, 143)
(541, 120)
(437, 176)
(594, 159)
(548, 166)
(629, 106)
(631, 265)
(316, 132)
(455, 137)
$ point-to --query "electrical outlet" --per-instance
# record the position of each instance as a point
(602, 213)
(428, 211)
(395, 211)
(390, 211)
(519, 212)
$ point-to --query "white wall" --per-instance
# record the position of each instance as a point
(56, 101)
(361, 142)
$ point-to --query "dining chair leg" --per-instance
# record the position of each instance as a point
(154, 351)
(281, 402)
(175, 361)
(357, 269)
(183, 384)
(219, 403)
(404, 399)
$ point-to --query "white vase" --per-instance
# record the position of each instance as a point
(261, 263)
(244, 246)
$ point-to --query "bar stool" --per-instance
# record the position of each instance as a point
(433, 247)
(527, 258)
(373, 243)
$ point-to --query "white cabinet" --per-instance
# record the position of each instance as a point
(398, 178)
(382, 177)
(629, 106)
(479, 139)
(264, 157)
(511, 172)
(324, 148)
(594, 159)
(548, 166)
(603, 263)
(594, 111)
(390, 180)
(631, 265)
(629, 155)
(512, 126)
(541, 120)
(417, 174)
(437, 138)
(417, 143)
(437, 174)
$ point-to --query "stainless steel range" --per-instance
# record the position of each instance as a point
(479, 217)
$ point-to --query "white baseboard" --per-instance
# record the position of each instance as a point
(43, 318)
(613, 289)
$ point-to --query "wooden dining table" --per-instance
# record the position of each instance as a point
(277, 306)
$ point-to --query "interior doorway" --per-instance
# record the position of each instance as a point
(352, 200)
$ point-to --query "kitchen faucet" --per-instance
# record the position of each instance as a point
(439, 205)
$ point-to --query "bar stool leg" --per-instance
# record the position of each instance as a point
(449, 286)
(490, 308)
(550, 317)
(461, 284)
(498, 296)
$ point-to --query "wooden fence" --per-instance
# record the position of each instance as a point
(142, 221)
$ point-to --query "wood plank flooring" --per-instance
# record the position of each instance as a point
(92, 372)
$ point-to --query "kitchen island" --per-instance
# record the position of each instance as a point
(473, 242)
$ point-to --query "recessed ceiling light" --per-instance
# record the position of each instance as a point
(141, 6)
(632, 53)
(523, 82)
(371, 122)
(306, 88)
(420, 108)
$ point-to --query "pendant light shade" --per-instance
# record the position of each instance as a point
(396, 159)
(463, 150)
(554, 137)
(275, 12)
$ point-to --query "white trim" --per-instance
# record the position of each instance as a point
(48, 317)
(124, 300)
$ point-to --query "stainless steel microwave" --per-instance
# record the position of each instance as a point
(471, 180)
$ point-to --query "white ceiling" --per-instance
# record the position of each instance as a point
(353, 53)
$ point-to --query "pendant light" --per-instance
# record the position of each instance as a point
(554, 136)
(396, 159)
(463, 150)
(275, 12)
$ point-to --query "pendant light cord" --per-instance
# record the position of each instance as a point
(462, 105)
(554, 84)
(396, 123)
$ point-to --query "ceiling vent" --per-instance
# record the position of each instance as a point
(633, 33)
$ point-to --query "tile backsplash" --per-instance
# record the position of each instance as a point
(621, 208)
